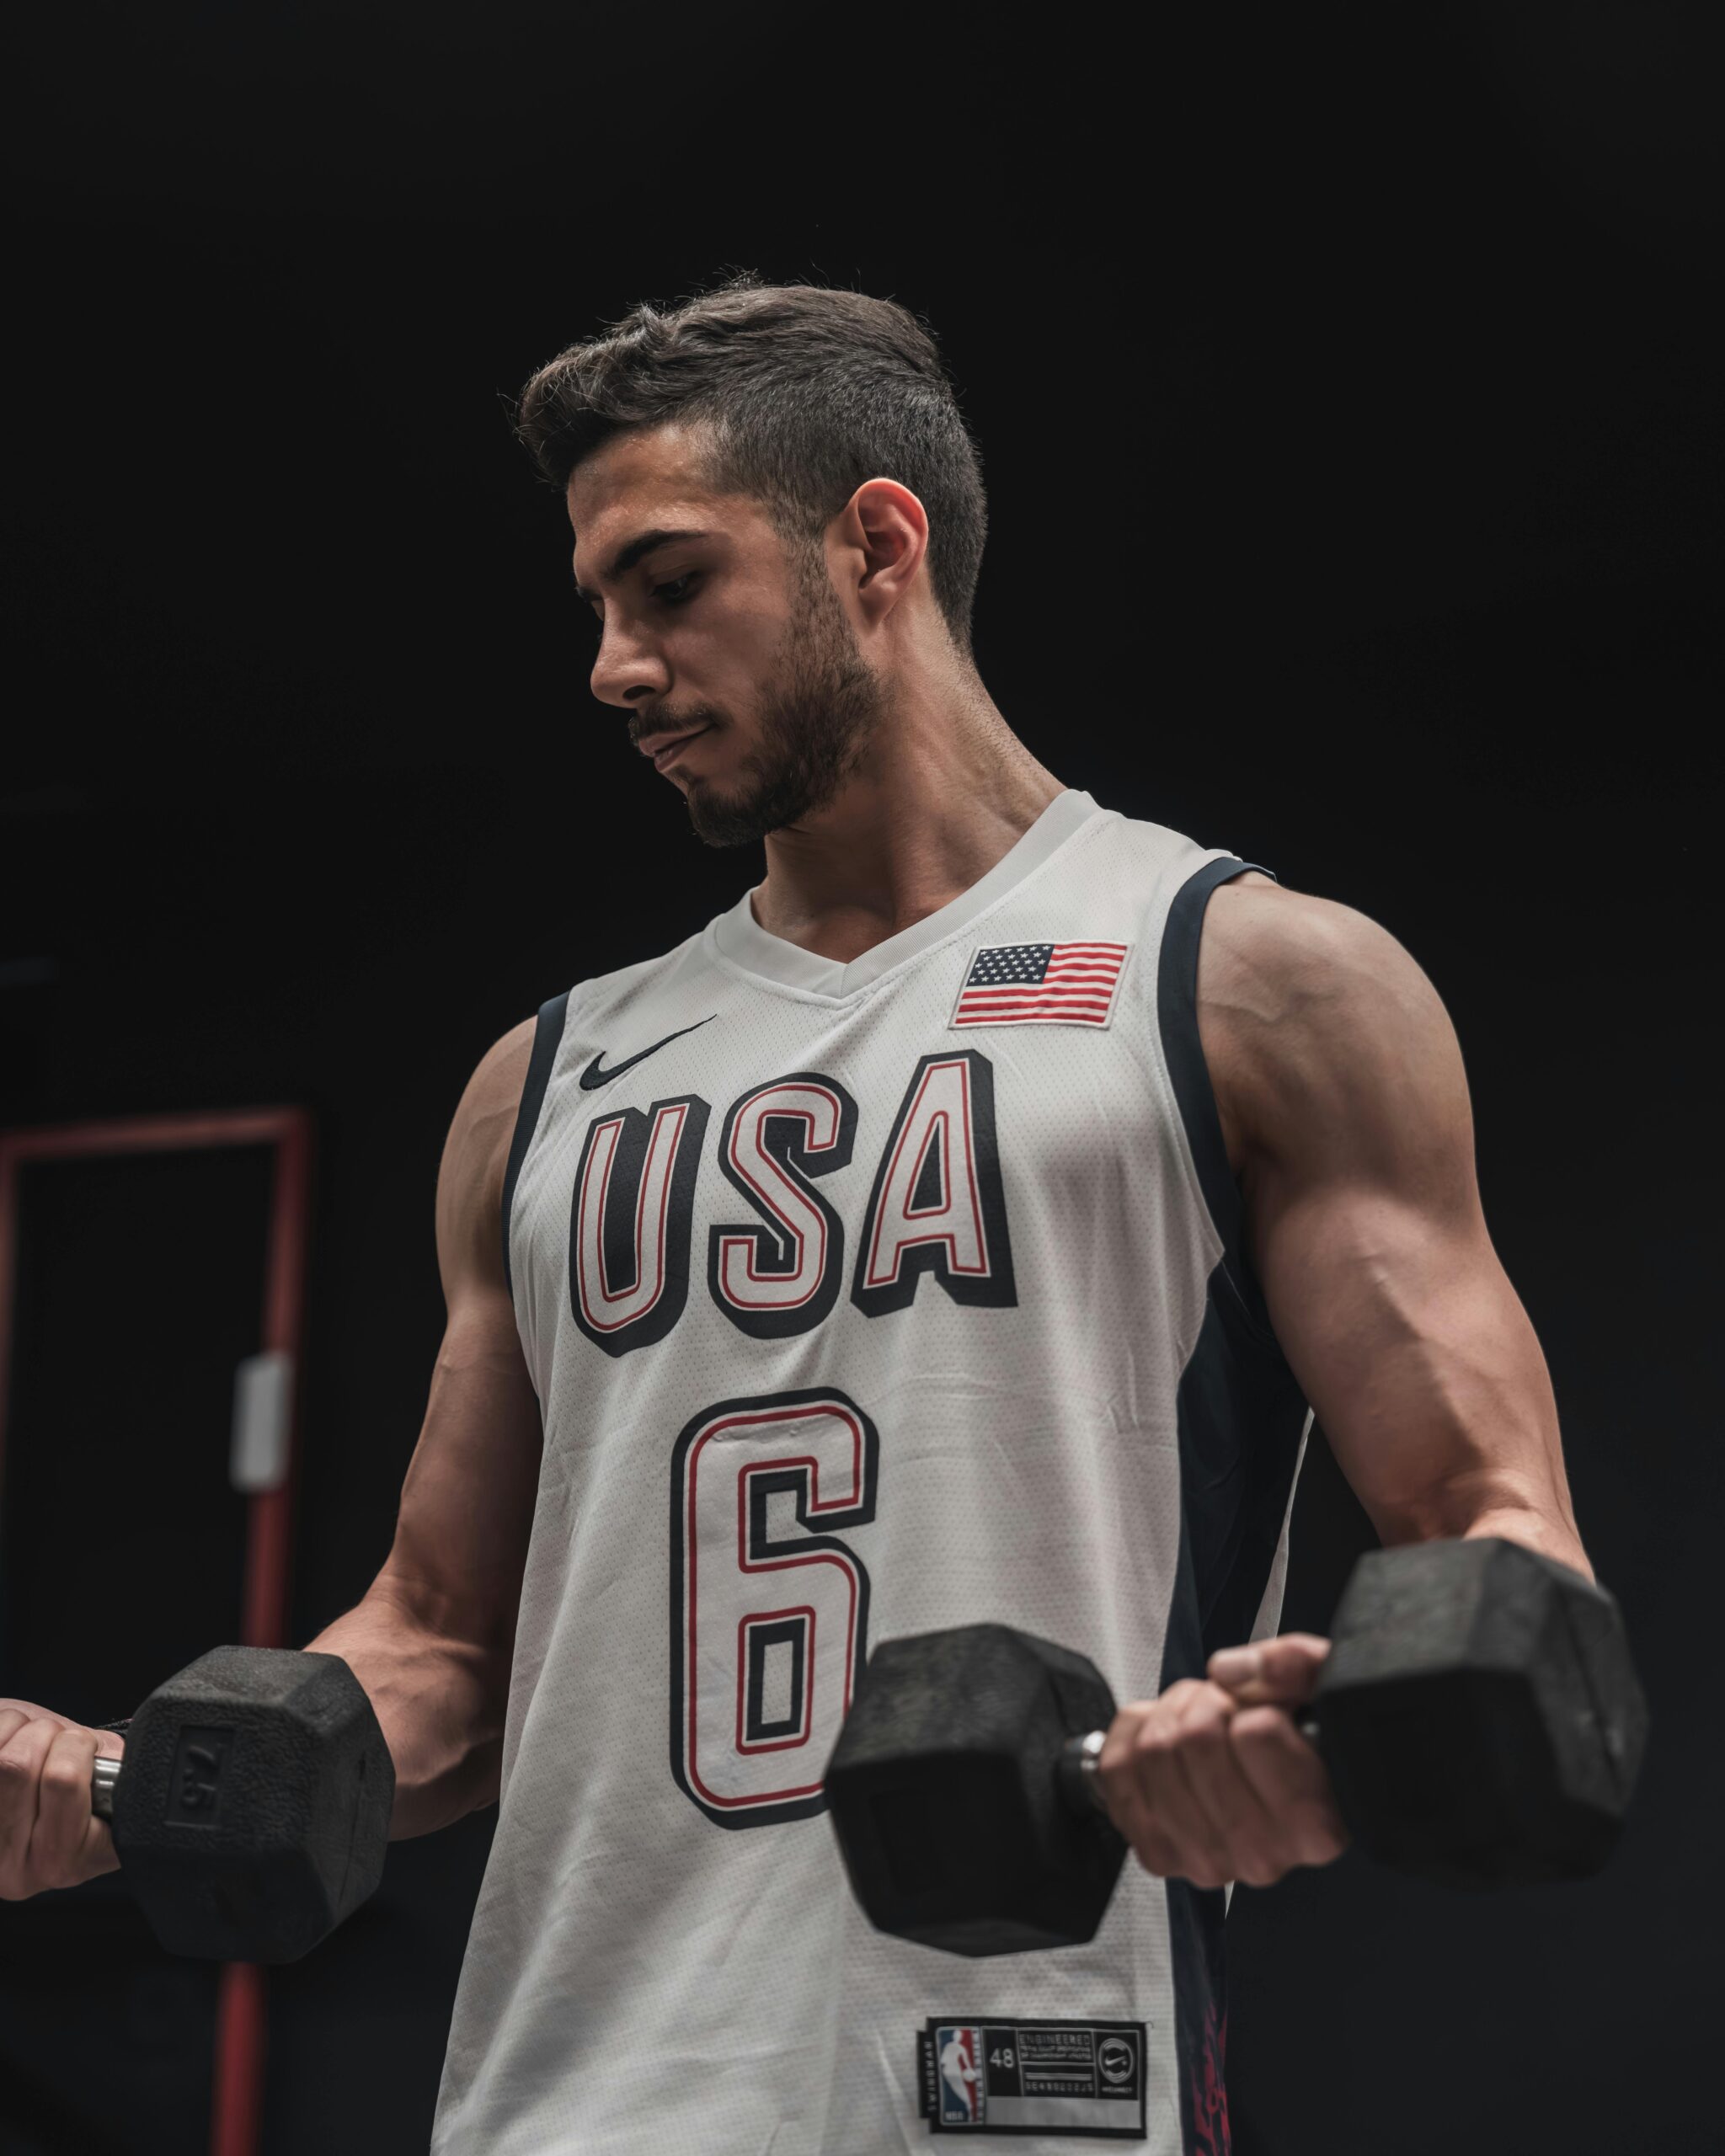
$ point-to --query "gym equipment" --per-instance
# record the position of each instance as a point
(1478, 1714)
(251, 1811)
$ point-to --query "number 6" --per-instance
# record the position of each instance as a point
(769, 1616)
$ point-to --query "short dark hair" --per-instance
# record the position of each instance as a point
(808, 391)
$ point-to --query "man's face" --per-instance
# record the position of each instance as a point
(727, 645)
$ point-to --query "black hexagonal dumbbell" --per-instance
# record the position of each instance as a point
(1478, 1714)
(251, 1811)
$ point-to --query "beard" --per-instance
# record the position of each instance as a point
(815, 717)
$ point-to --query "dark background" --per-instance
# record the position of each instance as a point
(1348, 391)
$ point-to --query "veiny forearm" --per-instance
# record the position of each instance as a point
(1429, 1382)
(440, 1702)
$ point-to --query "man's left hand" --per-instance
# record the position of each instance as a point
(1213, 1782)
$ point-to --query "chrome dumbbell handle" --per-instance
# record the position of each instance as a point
(1079, 1771)
(102, 1781)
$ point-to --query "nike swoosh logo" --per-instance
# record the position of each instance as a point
(593, 1077)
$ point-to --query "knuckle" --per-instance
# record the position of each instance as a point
(64, 1772)
(1153, 1741)
(1117, 1745)
(1206, 1735)
(1213, 1705)
(1261, 1729)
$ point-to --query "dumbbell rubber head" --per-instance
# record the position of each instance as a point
(944, 1791)
(1479, 1714)
(252, 1811)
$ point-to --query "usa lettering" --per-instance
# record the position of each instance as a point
(936, 1207)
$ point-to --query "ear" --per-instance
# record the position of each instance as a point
(886, 526)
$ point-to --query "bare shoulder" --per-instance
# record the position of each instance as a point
(476, 1156)
(1318, 1027)
(1268, 952)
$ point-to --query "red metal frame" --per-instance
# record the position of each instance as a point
(236, 2106)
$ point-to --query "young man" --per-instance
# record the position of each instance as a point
(965, 1225)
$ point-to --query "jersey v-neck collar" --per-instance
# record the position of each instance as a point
(738, 938)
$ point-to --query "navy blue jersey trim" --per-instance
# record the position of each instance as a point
(1240, 1415)
(547, 1036)
(1182, 1049)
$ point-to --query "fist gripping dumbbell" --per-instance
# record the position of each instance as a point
(1478, 1714)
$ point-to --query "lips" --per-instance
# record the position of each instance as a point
(664, 748)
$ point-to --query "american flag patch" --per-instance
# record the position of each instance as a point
(1041, 985)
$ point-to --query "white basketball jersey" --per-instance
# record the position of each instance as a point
(860, 1300)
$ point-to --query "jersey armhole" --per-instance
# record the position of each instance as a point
(547, 1037)
(1183, 1051)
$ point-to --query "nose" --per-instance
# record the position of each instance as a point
(628, 670)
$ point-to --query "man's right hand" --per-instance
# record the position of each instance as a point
(49, 1836)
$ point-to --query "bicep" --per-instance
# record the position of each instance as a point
(467, 1503)
(1365, 1226)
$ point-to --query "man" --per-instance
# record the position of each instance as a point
(967, 1225)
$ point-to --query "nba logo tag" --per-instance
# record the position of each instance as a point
(959, 2053)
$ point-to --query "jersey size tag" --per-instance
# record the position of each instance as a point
(1039, 984)
(1085, 2079)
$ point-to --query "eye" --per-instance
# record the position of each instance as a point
(677, 591)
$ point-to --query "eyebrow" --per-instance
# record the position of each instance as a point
(636, 551)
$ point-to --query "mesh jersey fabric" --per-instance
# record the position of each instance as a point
(969, 1332)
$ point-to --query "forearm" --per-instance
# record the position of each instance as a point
(441, 1704)
(1430, 1385)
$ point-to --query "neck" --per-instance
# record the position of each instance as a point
(944, 790)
